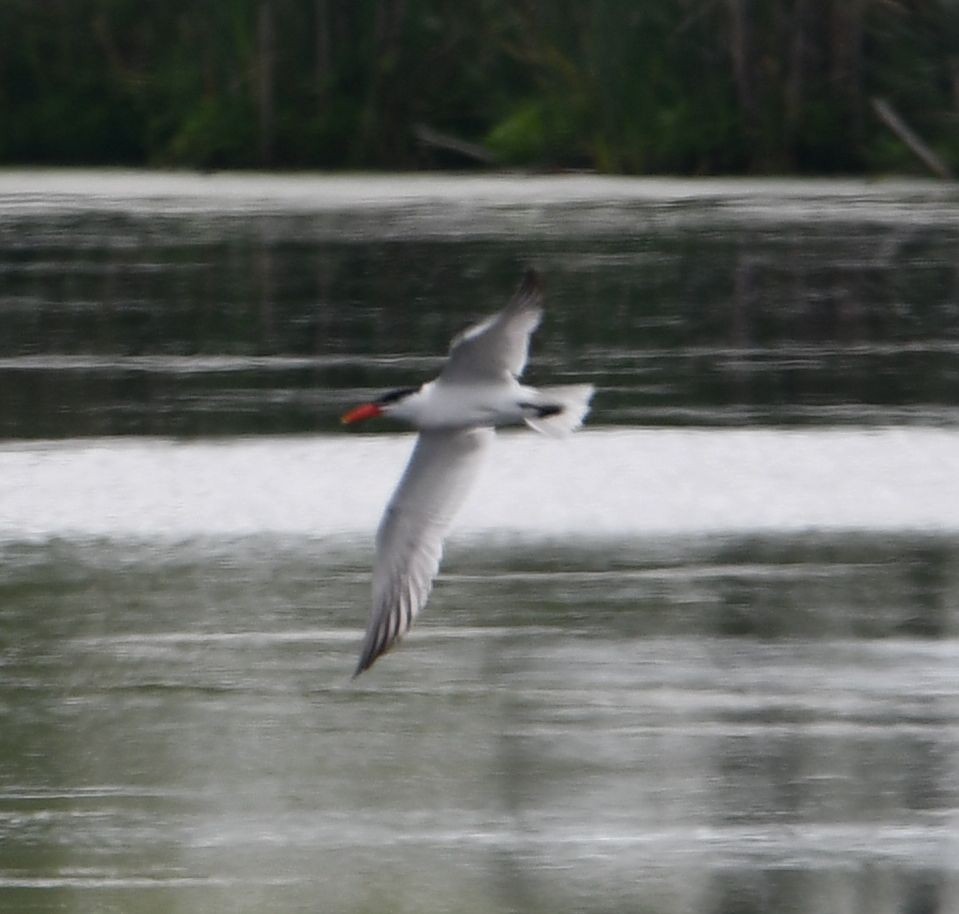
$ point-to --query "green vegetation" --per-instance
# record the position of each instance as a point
(682, 86)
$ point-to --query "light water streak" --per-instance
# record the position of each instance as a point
(598, 483)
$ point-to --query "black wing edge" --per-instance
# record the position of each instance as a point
(530, 288)
(388, 631)
(367, 659)
(374, 647)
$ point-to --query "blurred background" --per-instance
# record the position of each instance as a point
(700, 658)
(663, 86)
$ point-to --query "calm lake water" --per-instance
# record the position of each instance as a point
(701, 658)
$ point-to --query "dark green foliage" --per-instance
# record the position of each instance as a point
(685, 86)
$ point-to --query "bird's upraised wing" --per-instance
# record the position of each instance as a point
(496, 348)
(409, 542)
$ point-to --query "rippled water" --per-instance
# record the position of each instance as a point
(702, 657)
(177, 305)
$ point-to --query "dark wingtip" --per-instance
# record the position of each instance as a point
(531, 285)
(372, 651)
(365, 663)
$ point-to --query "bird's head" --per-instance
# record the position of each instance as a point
(390, 403)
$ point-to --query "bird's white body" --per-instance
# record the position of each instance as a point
(477, 391)
(441, 404)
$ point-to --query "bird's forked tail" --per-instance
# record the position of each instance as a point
(561, 410)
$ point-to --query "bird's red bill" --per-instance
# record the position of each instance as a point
(362, 413)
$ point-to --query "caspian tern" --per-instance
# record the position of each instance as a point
(477, 391)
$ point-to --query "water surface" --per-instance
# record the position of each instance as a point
(185, 305)
(699, 659)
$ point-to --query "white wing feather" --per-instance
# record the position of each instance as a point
(496, 349)
(409, 542)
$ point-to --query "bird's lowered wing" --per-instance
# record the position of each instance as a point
(497, 348)
(409, 542)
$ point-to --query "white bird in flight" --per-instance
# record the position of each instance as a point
(477, 391)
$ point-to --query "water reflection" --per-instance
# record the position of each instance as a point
(683, 303)
(597, 483)
(703, 727)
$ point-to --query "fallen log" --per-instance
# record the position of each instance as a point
(888, 115)
(430, 137)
